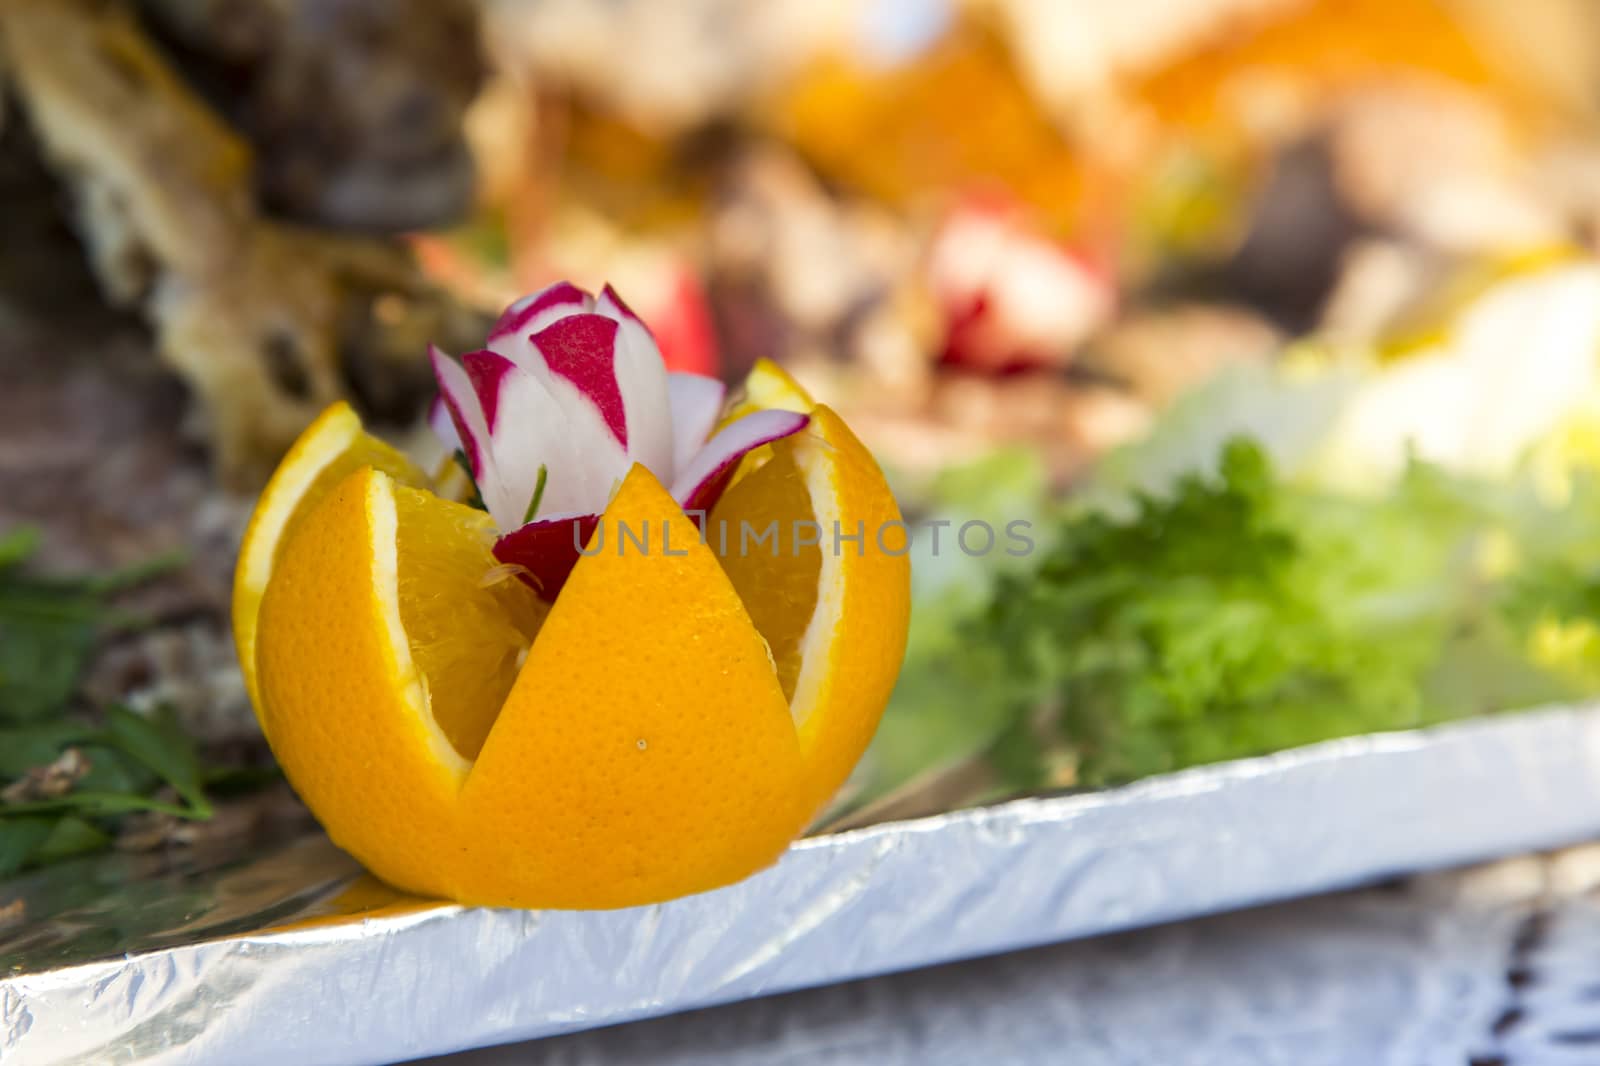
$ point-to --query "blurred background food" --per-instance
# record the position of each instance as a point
(1048, 257)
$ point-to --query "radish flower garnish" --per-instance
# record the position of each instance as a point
(569, 393)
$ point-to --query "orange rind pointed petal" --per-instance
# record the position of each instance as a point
(646, 750)
(343, 703)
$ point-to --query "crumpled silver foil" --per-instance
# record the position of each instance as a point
(295, 956)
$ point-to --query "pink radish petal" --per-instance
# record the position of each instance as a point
(700, 485)
(487, 371)
(455, 390)
(533, 313)
(582, 349)
(546, 550)
(696, 404)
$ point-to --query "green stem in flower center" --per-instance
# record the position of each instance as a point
(538, 494)
(476, 499)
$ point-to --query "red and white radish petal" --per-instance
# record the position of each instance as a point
(528, 430)
(487, 371)
(534, 312)
(608, 303)
(642, 379)
(575, 362)
(545, 551)
(461, 402)
(699, 485)
(582, 351)
(643, 376)
(597, 460)
(696, 403)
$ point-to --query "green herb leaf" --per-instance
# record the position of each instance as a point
(70, 836)
(49, 626)
(45, 641)
(24, 747)
(161, 745)
(103, 803)
(235, 780)
(20, 838)
(137, 574)
(17, 545)
(113, 770)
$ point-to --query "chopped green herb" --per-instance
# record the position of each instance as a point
(70, 836)
(1233, 612)
(64, 781)
(17, 545)
(20, 838)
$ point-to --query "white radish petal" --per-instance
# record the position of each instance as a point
(701, 483)
(696, 404)
(461, 402)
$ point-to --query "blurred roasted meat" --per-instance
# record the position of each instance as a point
(354, 107)
(266, 323)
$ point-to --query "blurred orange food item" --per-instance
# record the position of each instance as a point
(963, 114)
(1314, 50)
(958, 115)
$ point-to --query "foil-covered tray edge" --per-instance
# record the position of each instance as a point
(417, 978)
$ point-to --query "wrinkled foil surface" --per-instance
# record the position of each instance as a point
(293, 955)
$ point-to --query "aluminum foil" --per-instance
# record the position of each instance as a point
(295, 956)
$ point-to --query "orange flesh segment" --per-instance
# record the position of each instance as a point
(759, 530)
(469, 623)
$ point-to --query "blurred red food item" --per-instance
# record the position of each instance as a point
(664, 289)
(1011, 297)
(679, 315)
